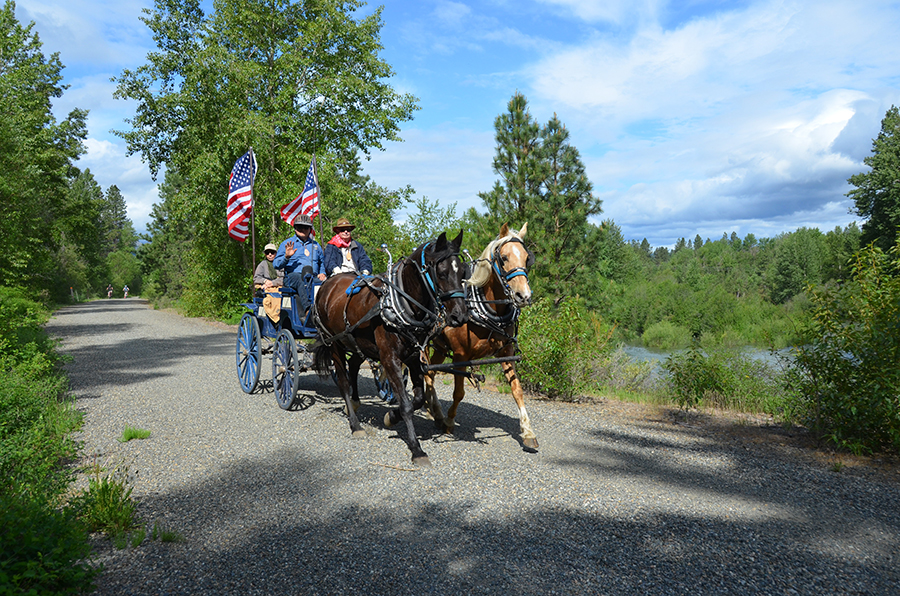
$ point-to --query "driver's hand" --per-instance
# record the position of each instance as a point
(289, 249)
(322, 277)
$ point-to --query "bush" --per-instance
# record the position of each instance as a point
(44, 550)
(558, 346)
(44, 547)
(846, 374)
(725, 378)
(666, 336)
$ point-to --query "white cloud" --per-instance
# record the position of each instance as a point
(99, 32)
(110, 165)
(450, 165)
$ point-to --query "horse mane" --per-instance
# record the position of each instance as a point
(482, 272)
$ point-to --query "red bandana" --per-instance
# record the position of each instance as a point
(339, 242)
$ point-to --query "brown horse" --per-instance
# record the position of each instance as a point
(390, 319)
(497, 290)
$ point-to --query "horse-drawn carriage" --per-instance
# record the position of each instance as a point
(419, 308)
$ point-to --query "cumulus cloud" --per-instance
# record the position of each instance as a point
(110, 165)
(451, 164)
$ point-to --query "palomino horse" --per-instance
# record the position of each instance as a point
(497, 289)
(390, 319)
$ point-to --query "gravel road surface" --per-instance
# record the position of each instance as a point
(620, 499)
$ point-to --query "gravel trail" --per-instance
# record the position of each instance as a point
(618, 500)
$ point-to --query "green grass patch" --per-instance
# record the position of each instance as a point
(106, 506)
(133, 433)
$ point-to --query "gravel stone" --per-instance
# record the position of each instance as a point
(620, 498)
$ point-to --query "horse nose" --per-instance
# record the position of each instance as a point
(458, 317)
(522, 298)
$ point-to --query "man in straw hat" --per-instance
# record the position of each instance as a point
(301, 258)
(343, 254)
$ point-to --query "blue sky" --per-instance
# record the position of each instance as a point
(691, 117)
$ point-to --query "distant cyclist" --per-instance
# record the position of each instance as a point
(109, 291)
(125, 289)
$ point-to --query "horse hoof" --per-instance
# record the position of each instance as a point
(530, 443)
(359, 434)
(387, 420)
(422, 462)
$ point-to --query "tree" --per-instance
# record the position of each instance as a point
(290, 79)
(39, 151)
(797, 262)
(877, 193)
(516, 162)
(543, 182)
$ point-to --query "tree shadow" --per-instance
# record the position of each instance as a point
(322, 530)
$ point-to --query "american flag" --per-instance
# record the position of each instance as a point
(240, 196)
(308, 201)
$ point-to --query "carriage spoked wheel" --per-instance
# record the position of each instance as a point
(285, 369)
(248, 353)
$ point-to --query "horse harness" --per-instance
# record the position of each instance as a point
(395, 305)
(480, 311)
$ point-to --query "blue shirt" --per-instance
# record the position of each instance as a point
(308, 253)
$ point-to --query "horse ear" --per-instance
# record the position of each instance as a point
(504, 230)
(457, 242)
(441, 242)
(524, 230)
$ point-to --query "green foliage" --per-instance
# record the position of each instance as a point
(666, 336)
(846, 372)
(724, 378)
(45, 549)
(798, 261)
(133, 433)
(164, 534)
(106, 506)
(558, 347)
(877, 193)
(35, 418)
(289, 79)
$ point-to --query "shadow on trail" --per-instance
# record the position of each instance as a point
(778, 486)
(315, 539)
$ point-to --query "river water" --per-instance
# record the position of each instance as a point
(657, 357)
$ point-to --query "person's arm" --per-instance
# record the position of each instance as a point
(280, 260)
(259, 275)
(330, 259)
(365, 263)
(318, 264)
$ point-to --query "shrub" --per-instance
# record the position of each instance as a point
(666, 336)
(846, 374)
(44, 550)
(559, 346)
(106, 506)
(725, 378)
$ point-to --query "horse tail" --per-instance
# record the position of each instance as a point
(323, 363)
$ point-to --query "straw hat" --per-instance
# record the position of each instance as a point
(342, 224)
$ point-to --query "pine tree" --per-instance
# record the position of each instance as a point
(543, 182)
(877, 192)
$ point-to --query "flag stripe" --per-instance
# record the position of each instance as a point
(307, 202)
(240, 196)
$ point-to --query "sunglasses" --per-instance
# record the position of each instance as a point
(271, 252)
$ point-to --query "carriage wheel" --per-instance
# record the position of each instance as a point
(248, 353)
(285, 369)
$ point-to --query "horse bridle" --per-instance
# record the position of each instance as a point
(427, 270)
(504, 275)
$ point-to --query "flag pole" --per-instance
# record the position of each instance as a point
(252, 211)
